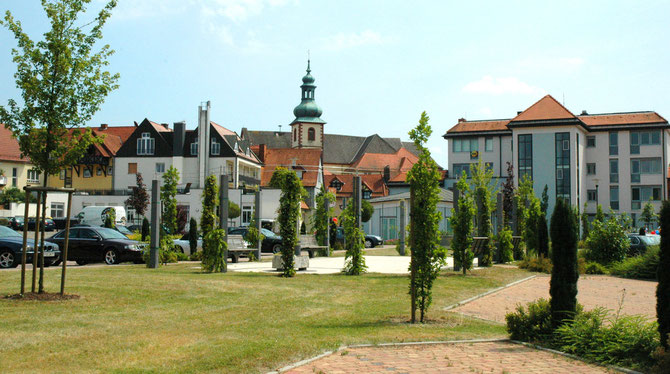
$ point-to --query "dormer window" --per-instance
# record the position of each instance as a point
(367, 193)
(236, 148)
(194, 148)
(146, 144)
(336, 184)
(216, 147)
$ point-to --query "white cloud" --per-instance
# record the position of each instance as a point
(239, 10)
(343, 41)
(501, 85)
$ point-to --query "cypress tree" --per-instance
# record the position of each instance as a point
(146, 230)
(663, 275)
(193, 235)
(542, 237)
(564, 275)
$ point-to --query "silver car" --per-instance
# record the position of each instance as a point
(182, 245)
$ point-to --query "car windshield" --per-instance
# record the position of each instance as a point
(18, 219)
(651, 240)
(268, 233)
(110, 234)
(6, 232)
(124, 230)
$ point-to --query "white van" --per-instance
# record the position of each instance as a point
(96, 215)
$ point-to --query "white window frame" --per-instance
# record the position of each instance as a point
(247, 211)
(216, 147)
(146, 145)
(33, 176)
(160, 167)
(57, 210)
(194, 148)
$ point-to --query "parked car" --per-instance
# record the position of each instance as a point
(371, 241)
(49, 224)
(124, 230)
(640, 243)
(135, 228)
(11, 244)
(16, 223)
(271, 243)
(184, 246)
(99, 244)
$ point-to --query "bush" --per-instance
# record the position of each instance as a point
(638, 267)
(214, 256)
(539, 264)
(182, 256)
(623, 340)
(506, 247)
(532, 324)
(338, 246)
(595, 268)
(196, 256)
(607, 242)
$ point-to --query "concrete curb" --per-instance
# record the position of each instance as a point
(452, 306)
(577, 358)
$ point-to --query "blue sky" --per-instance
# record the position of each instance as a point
(377, 64)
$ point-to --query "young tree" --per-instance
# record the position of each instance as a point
(110, 219)
(210, 200)
(531, 233)
(145, 229)
(139, 198)
(322, 215)
(600, 215)
(427, 255)
(663, 276)
(461, 222)
(648, 215)
(544, 204)
(214, 252)
(169, 200)
(193, 235)
(483, 192)
(253, 235)
(233, 210)
(542, 237)
(564, 274)
(525, 197)
(289, 211)
(585, 223)
(354, 240)
(508, 195)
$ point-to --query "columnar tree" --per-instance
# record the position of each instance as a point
(524, 200)
(461, 222)
(648, 215)
(145, 229)
(139, 197)
(531, 233)
(508, 195)
(193, 235)
(253, 235)
(289, 211)
(663, 275)
(483, 191)
(585, 223)
(322, 215)
(208, 218)
(564, 274)
(427, 256)
(169, 200)
(542, 236)
(354, 240)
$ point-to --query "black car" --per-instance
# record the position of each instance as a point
(271, 243)
(640, 243)
(11, 243)
(99, 244)
(49, 224)
(371, 241)
(16, 223)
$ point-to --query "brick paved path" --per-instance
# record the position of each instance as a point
(485, 357)
(594, 290)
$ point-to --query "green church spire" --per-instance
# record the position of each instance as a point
(308, 110)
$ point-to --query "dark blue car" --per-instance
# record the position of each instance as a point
(11, 244)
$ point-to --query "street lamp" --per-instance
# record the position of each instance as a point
(596, 180)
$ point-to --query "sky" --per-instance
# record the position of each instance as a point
(377, 64)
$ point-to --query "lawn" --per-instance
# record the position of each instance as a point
(176, 319)
(378, 251)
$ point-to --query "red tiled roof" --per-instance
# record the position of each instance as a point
(401, 160)
(222, 130)
(375, 183)
(9, 146)
(479, 126)
(547, 108)
(160, 128)
(621, 118)
(287, 157)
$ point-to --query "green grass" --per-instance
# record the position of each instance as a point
(378, 251)
(177, 319)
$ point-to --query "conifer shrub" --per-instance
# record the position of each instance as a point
(564, 275)
(663, 276)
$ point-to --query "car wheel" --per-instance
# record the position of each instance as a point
(7, 259)
(111, 257)
(368, 243)
(276, 248)
(178, 249)
(81, 263)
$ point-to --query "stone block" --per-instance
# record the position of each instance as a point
(300, 262)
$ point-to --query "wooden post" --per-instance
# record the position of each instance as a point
(155, 226)
(402, 227)
(44, 212)
(66, 244)
(37, 238)
(257, 202)
(25, 241)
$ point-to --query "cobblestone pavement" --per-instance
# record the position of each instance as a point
(593, 291)
(485, 357)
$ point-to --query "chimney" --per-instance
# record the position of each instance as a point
(167, 127)
(135, 122)
(178, 138)
(461, 120)
(585, 113)
(261, 152)
(387, 173)
(103, 126)
(519, 112)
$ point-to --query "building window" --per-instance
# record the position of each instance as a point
(643, 194)
(110, 170)
(489, 145)
(525, 156)
(336, 184)
(367, 194)
(591, 169)
(57, 210)
(15, 176)
(246, 215)
(638, 138)
(614, 171)
(132, 168)
(160, 167)
(466, 145)
(592, 195)
(216, 147)
(194, 148)
(614, 143)
(590, 141)
(145, 144)
(614, 197)
(311, 134)
(562, 140)
(61, 174)
(644, 166)
(87, 172)
(98, 170)
(33, 176)
(459, 169)
(295, 135)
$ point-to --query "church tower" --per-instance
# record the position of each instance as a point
(307, 127)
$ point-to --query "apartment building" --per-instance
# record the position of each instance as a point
(617, 160)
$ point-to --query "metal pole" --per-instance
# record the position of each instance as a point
(326, 204)
(155, 219)
(258, 223)
(402, 227)
(357, 200)
(25, 241)
(44, 212)
(37, 238)
(67, 243)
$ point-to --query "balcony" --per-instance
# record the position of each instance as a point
(248, 181)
